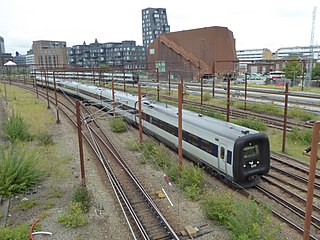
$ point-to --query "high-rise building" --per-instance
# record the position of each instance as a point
(50, 53)
(154, 23)
(2, 50)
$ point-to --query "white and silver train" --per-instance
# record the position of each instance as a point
(238, 154)
(105, 77)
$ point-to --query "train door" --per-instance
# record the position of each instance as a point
(222, 157)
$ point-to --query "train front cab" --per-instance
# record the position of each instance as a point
(251, 159)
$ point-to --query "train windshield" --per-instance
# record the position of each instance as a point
(250, 151)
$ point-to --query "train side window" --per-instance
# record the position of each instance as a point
(185, 136)
(222, 152)
(206, 146)
(193, 139)
(215, 150)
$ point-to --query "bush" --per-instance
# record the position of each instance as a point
(252, 123)
(219, 206)
(118, 125)
(250, 221)
(18, 171)
(243, 217)
(25, 205)
(134, 145)
(303, 136)
(206, 96)
(45, 139)
(82, 196)
(16, 129)
(20, 232)
(74, 217)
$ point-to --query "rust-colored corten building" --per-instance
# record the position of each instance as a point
(195, 52)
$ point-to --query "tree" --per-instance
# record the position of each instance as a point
(316, 72)
(293, 69)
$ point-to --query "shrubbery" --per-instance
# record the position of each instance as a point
(16, 129)
(18, 171)
(251, 122)
(82, 196)
(74, 217)
(244, 218)
(303, 136)
(118, 125)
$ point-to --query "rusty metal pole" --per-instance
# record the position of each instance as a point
(201, 93)
(5, 92)
(35, 76)
(140, 113)
(158, 90)
(113, 97)
(303, 71)
(180, 102)
(213, 77)
(228, 99)
(312, 171)
(83, 177)
(245, 90)
(47, 90)
(56, 98)
(169, 82)
(285, 116)
(124, 81)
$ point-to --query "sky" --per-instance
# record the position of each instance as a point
(255, 23)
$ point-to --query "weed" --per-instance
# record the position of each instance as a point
(82, 196)
(18, 171)
(57, 193)
(27, 204)
(50, 204)
(45, 139)
(303, 136)
(134, 145)
(251, 122)
(20, 232)
(118, 125)
(74, 217)
(16, 129)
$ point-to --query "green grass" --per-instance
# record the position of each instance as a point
(28, 204)
(32, 110)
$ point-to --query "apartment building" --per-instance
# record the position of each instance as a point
(50, 53)
(154, 23)
(124, 54)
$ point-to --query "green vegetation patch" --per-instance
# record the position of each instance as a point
(118, 125)
(82, 196)
(20, 232)
(74, 217)
(16, 129)
(27, 204)
(190, 178)
(244, 218)
(251, 122)
(18, 171)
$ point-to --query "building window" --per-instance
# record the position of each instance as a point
(151, 51)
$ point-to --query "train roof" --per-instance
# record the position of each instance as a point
(209, 124)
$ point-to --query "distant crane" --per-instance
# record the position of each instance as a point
(311, 55)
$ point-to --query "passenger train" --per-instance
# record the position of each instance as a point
(238, 154)
(105, 77)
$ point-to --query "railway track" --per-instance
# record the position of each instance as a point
(285, 188)
(144, 218)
